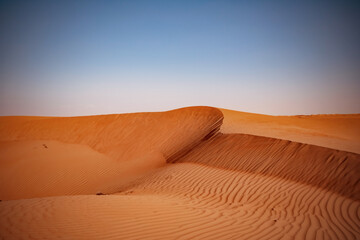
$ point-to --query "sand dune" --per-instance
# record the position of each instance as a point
(119, 136)
(337, 131)
(93, 154)
(280, 158)
(174, 175)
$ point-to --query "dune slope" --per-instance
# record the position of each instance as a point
(93, 154)
(318, 166)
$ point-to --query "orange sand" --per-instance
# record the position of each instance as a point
(175, 175)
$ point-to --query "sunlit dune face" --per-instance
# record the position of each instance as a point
(83, 155)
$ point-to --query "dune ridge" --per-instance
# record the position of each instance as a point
(113, 134)
(125, 146)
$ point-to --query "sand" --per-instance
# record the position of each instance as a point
(86, 155)
(192, 173)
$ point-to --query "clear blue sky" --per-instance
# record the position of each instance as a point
(65, 58)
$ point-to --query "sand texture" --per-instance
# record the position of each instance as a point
(191, 173)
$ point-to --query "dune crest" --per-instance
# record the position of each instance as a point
(118, 149)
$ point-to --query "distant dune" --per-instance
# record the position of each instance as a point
(337, 131)
(190, 173)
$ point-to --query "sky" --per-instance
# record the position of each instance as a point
(72, 58)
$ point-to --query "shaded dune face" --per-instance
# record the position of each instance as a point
(330, 169)
(85, 155)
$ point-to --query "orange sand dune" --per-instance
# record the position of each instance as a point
(173, 175)
(309, 164)
(85, 155)
(337, 131)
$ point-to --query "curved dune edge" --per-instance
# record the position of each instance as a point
(189, 201)
(86, 155)
(119, 136)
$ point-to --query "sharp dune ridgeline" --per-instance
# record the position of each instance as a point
(190, 173)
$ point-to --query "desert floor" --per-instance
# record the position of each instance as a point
(190, 173)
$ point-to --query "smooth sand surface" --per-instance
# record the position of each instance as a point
(174, 175)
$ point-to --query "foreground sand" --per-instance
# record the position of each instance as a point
(173, 175)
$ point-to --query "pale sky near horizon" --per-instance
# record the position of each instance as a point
(71, 58)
